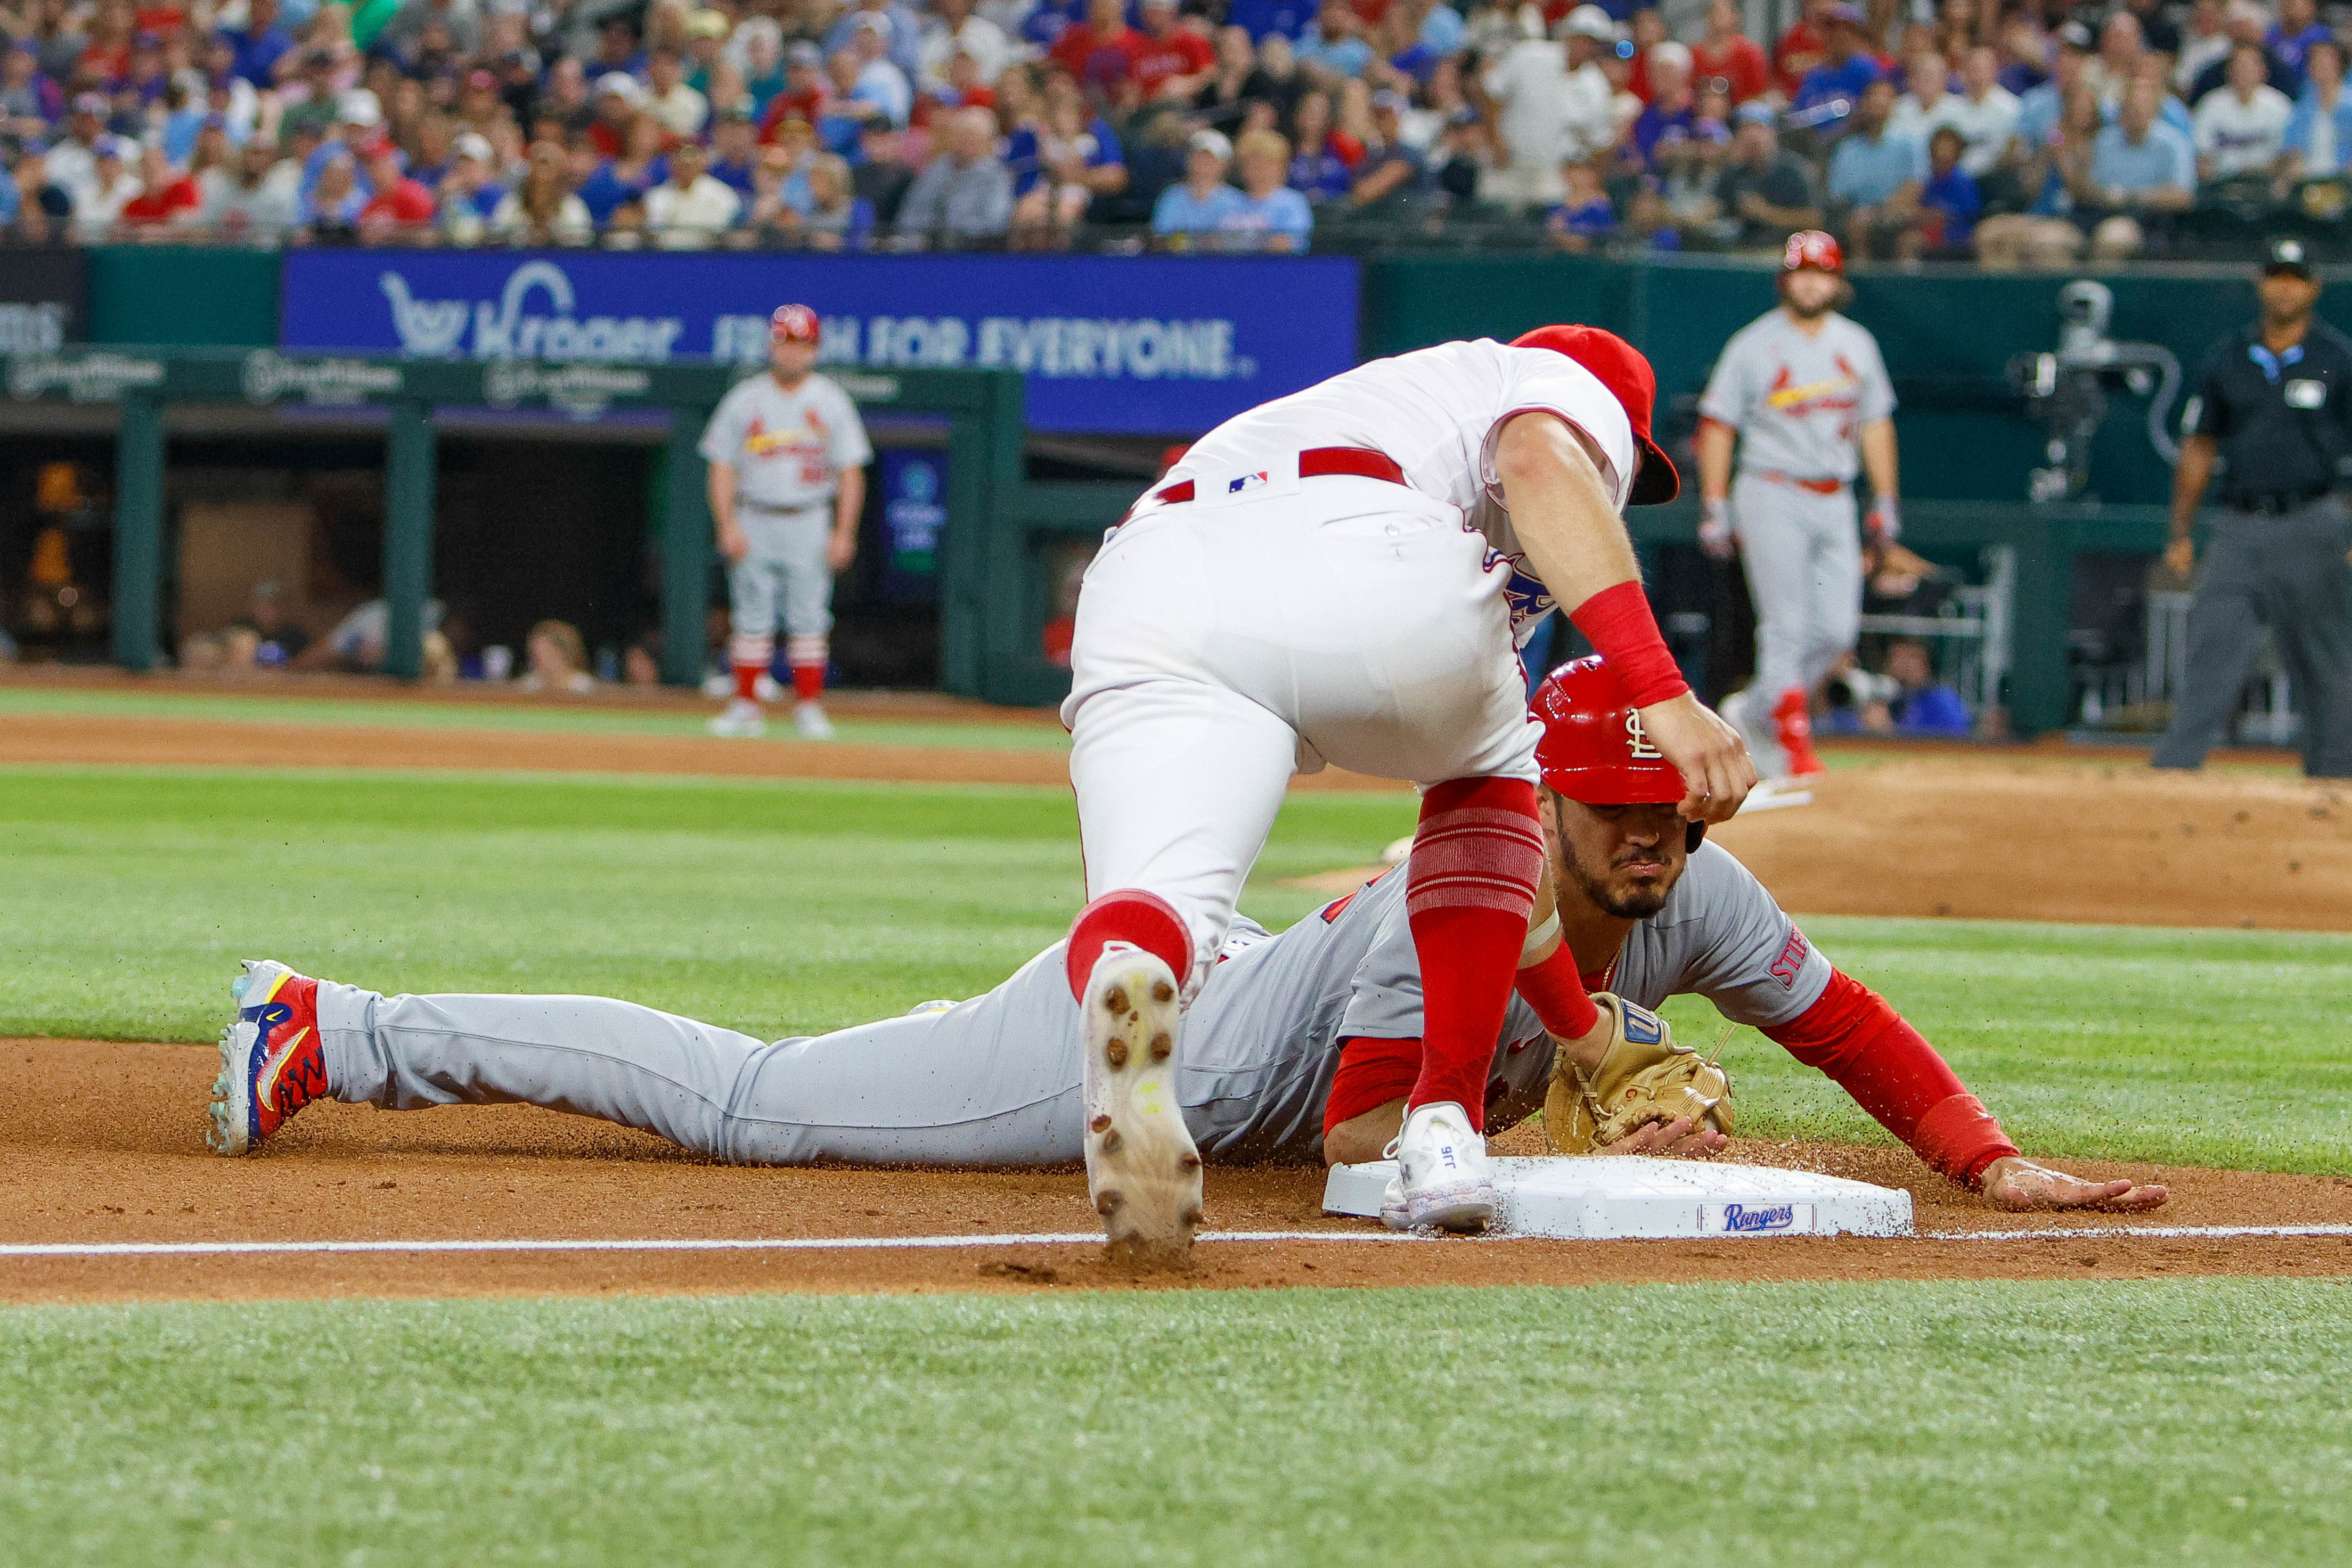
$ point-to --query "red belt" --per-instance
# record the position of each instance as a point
(1818, 487)
(1315, 463)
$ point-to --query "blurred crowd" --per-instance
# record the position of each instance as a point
(2032, 131)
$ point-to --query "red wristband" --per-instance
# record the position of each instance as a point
(1554, 990)
(1617, 622)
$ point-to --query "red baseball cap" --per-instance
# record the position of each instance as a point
(793, 324)
(1811, 248)
(1629, 378)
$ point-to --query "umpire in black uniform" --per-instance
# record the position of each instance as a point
(2276, 403)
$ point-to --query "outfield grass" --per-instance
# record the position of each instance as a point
(790, 907)
(553, 716)
(1972, 1424)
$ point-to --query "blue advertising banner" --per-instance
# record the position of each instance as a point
(914, 513)
(1148, 345)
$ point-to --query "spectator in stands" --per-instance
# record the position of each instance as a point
(1949, 203)
(1389, 174)
(806, 89)
(2320, 136)
(893, 22)
(1233, 81)
(965, 195)
(2245, 22)
(1583, 215)
(1843, 75)
(956, 24)
(1317, 172)
(259, 45)
(734, 148)
(1767, 193)
(556, 659)
(1272, 216)
(99, 204)
(2112, 69)
(2142, 171)
(1927, 87)
(330, 210)
(542, 209)
(689, 209)
(2242, 130)
(1069, 158)
(1098, 53)
(1332, 49)
(166, 196)
(1727, 56)
(1554, 104)
(73, 157)
(241, 202)
(35, 208)
(1170, 60)
(1200, 203)
(470, 194)
(2038, 108)
(880, 80)
(629, 176)
(1672, 110)
(1804, 46)
(2298, 27)
(29, 101)
(1875, 176)
(2057, 171)
(682, 110)
(398, 206)
(1983, 112)
(837, 218)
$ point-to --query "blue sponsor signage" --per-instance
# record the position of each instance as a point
(914, 512)
(1155, 345)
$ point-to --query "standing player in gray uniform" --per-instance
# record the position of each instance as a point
(1302, 1045)
(788, 455)
(1804, 391)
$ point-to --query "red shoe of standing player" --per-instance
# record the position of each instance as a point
(272, 1063)
(1793, 720)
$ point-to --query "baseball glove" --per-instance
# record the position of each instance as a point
(1644, 1077)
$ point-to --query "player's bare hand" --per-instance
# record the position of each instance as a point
(733, 542)
(2014, 1182)
(1680, 1139)
(2179, 556)
(1708, 752)
(840, 550)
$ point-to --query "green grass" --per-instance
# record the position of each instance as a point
(553, 716)
(790, 907)
(2196, 1421)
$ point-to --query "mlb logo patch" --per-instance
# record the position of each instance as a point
(1247, 482)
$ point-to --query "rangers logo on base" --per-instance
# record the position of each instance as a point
(1143, 1169)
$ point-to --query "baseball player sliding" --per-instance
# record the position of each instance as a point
(788, 455)
(1299, 1046)
(1803, 392)
(1342, 577)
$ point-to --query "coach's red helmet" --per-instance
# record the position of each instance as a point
(1811, 248)
(1621, 368)
(793, 324)
(1593, 749)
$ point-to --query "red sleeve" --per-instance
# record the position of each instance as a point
(1893, 1072)
(1371, 1073)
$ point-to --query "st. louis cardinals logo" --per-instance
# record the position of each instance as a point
(1637, 741)
(1840, 394)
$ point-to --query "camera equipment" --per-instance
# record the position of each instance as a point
(2067, 390)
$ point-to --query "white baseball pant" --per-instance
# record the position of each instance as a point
(1221, 647)
(785, 574)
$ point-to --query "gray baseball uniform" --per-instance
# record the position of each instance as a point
(788, 449)
(1799, 402)
(997, 1081)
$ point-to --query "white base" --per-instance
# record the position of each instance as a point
(1632, 1197)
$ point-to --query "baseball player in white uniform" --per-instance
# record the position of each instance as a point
(1342, 577)
(1803, 393)
(788, 454)
(1300, 1047)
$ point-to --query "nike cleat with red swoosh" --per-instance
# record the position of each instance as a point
(271, 1064)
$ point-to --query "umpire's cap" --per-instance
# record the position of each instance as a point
(793, 324)
(1621, 368)
(1593, 748)
(2286, 254)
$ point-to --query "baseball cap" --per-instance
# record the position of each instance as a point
(1755, 112)
(473, 144)
(619, 84)
(2074, 35)
(707, 23)
(793, 324)
(805, 54)
(1810, 248)
(359, 106)
(2286, 254)
(1620, 367)
(1591, 22)
(1209, 141)
(1593, 749)
(483, 81)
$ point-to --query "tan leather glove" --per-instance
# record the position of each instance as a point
(1644, 1077)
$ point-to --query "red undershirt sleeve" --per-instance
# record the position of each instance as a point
(1890, 1069)
(1371, 1073)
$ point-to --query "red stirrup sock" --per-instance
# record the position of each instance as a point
(747, 681)
(808, 681)
(1130, 914)
(1471, 886)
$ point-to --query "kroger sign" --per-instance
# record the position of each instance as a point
(1138, 344)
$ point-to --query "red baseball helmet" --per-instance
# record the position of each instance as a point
(1811, 248)
(1593, 749)
(793, 324)
(1629, 378)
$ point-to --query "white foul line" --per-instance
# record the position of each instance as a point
(913, 1243)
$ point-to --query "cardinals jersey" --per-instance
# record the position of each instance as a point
(1798, 399)
(788, 448)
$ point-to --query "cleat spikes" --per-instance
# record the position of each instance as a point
(1116, 1052)
(1099, 1124)
(1163, 1045)
(1117, 1001)
(1163, 993)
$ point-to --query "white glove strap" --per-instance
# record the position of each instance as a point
(1537, 936)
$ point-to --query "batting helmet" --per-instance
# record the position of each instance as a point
(793, 324)
(1620, 367)
(1593, 749)
(1811, 248)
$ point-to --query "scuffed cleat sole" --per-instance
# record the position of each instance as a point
(1464, 1207)
(1143, 1169)
(231, 1116)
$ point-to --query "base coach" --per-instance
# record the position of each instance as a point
(2276, 406)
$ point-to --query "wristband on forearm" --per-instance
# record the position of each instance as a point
(1617, 622)
(1556, 991)
(1537, 935)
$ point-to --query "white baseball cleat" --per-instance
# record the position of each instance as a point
(1443, 1178)
(1143, 1170)
(809, 721)
(742, 721)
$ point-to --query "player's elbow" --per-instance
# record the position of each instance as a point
(1537, 448)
